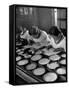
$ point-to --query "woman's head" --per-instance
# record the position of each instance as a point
(54, 30)
(34, 31)
(56, 33)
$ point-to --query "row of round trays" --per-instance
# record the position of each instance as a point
(44, 61)
(34, 65)
(21, 51)
(38, 71)
(37, 54)
(44, 51)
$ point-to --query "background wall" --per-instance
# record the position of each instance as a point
(42, 17)
(27, 20)
(45, 18)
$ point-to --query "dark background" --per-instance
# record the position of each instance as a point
(43, 18)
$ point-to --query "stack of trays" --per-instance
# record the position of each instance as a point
(43, 64)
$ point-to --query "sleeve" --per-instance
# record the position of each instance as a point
(61, 44)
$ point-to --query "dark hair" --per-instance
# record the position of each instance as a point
(54, 31)
(33, 31)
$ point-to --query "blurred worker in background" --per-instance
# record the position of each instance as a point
(56, 38)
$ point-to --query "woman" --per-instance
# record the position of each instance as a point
(39, 36)
(56, 38)
(24, 35)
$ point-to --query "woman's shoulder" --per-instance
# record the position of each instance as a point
(61, 39)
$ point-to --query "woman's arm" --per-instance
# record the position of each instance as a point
(61, 44)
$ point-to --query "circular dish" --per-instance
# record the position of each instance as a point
(63, 62)
(53, 65)
(44, 49)
(38, 52)
(50, 77)
(22, 62)
(50, 52)
(35, 46)
(18, 44)
(36, 57)
(31, 51)
(44, 61)
(39, 71)
(61, 71)
(26, 55)
(54, 57)
(18, 58)
(31, 66)
(63, 55)
(18, 50)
